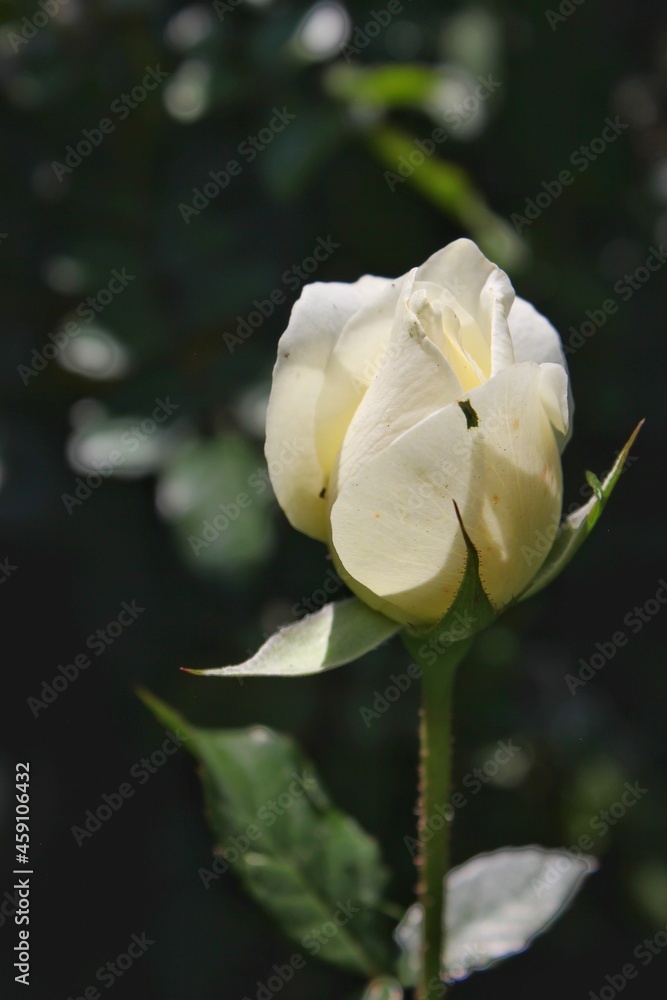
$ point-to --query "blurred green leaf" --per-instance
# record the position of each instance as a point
(215, 497)
(497, 903)
(475, 37)
(287, 166)
(310, 866)
(449, 188)
(597, 783)
(395, 85)
(648, 885)
(121, 446)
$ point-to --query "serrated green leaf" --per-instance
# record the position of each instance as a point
(497, 903)
(577, 526)
(470, 612)
(311, 867)
(336, 634)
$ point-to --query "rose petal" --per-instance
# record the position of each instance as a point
(358, 354)
(304, 352)
(554, 386)
(533, 336)
(413, 381)
(395, 535)
(535, 339)
(443, 322)
(476, 288)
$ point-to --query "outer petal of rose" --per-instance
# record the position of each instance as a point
(304, 351)
(535, 339)
(359, 353)
(482, 291)
(554, 387)
(533, 336)
(413, 381)
(395, 536)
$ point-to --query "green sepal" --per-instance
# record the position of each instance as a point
(336, 634)
(578, 525)
(470, 612)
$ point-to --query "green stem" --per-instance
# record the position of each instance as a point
(435, 788)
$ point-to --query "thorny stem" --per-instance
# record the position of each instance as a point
(433, 829)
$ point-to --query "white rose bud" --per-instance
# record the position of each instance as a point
(392, 401)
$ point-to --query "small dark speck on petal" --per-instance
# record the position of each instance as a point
(323, 493)
(469, 413)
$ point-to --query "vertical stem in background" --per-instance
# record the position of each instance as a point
(435, 787)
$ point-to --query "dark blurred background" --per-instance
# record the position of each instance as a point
(114, 116)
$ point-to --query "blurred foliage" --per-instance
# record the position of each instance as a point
(176, 287)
